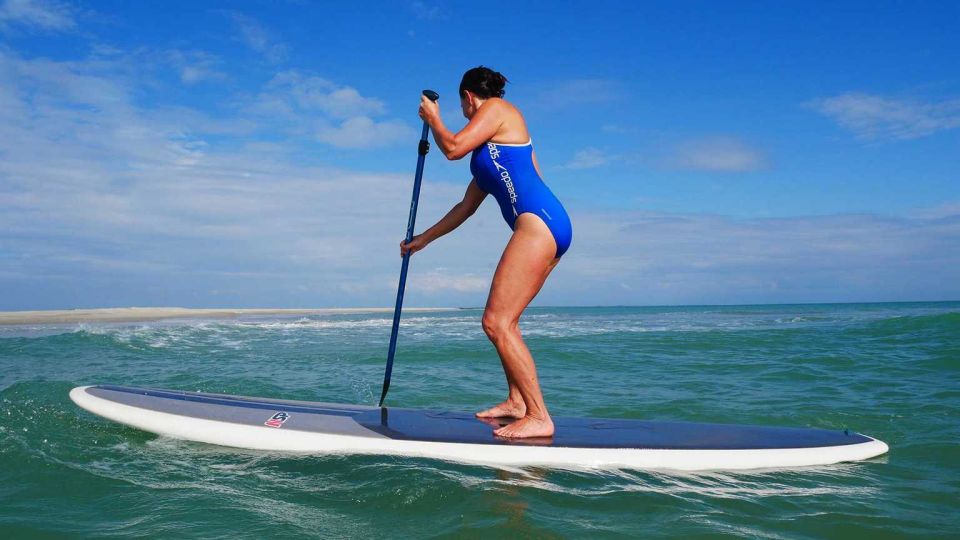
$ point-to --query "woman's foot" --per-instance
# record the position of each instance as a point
(496, 423)
(528, 426)
(510, 409)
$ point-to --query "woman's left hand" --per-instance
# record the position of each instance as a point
(429, 110)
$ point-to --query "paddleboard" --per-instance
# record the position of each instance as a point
(310, 427)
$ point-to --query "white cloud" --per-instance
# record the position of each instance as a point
(195, 66)
(362, 132)
(589, 158)
(443, 280)
(58, 83)
(335, 114)
(427, 10)
(677, 258)
(616, 128)
(39, 14)
(576, 92)
(876, 117)
(717, 154)
(132, 204)
(294, 91)
(106, 202)
(940, 211)
(259, 39)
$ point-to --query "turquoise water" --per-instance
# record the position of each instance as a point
(889, 370)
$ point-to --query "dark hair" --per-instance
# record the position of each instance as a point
(484, 82)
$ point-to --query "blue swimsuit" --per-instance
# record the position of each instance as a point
(506, 171)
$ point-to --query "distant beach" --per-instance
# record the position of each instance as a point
(134, 314)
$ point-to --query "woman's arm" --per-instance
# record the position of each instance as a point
(454, 218)
(481, 128)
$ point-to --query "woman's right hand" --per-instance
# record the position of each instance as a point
(415, 245)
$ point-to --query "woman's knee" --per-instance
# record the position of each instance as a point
(497, 326)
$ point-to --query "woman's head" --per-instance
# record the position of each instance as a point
(480, 83)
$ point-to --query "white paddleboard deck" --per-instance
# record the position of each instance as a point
(308, 427)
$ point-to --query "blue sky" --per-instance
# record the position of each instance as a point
(261, 153)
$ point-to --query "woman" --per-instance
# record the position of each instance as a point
(503, 164)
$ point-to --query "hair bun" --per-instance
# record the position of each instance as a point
(497, 83)
(484, 82)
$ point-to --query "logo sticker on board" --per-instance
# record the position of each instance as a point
(277, 419)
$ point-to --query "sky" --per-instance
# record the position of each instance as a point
(261, 154)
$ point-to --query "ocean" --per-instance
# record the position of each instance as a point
(891, 371)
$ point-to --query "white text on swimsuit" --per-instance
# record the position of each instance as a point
(504, 173)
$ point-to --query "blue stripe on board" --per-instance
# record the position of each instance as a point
(440, 426)
(228, 401)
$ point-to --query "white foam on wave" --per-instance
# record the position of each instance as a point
(458, 325)
(740, 485)
(315, 324)
(163, 335)
(231, 334)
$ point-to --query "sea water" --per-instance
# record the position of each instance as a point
(888, 370)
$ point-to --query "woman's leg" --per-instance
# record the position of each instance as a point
(524, 266)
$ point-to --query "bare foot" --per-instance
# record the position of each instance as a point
(495, 423)
(507, 408)
(528, 426)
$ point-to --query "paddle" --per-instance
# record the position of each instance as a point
(422, 154)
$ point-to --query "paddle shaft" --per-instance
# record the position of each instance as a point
(422, 150)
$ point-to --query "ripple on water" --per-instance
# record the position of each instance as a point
(886, 370)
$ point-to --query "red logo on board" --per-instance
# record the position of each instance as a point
(277, 420)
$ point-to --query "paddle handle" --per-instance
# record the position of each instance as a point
(422, 150)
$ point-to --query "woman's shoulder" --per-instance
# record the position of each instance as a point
(513, 127)
(498, 104)
(506, 111)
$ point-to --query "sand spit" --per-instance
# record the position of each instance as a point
(133, 314)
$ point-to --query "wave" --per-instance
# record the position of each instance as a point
(459, 326)
(949, 322)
